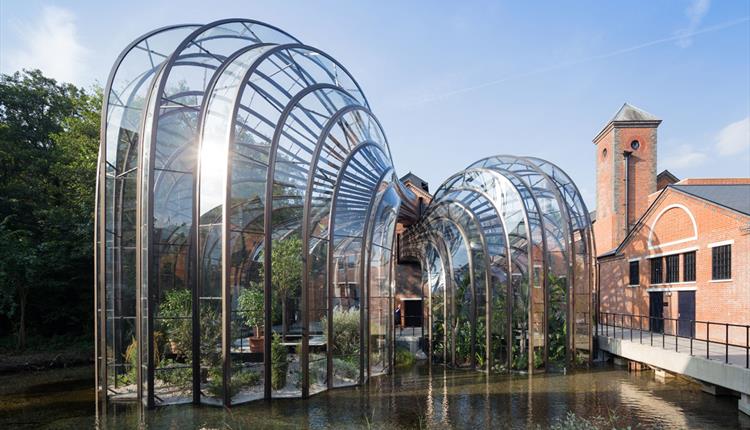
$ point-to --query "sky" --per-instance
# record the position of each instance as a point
(453, 82)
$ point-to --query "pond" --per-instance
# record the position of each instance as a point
(419, 397)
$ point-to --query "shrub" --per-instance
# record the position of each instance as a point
(345, 340)
(346, 368)
(176, 374)
(240, 379)
(404, 357)
(279, 363)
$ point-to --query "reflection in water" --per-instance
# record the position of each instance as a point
(414, 398)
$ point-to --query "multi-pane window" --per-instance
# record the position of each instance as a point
(656, 271)
(673, 268)
(721, 262)
(634, 273)
(688, 267)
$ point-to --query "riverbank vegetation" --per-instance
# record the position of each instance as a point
(49, 133)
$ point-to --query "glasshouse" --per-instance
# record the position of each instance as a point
(506, 250)
(247, 240)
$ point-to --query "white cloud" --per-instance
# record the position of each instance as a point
(51, 45)
(734, 138)
(695, 13)
(684, 157)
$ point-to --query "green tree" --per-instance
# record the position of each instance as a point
(48, 148)
(286, 276)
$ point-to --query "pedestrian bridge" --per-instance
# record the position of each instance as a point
(720, 361)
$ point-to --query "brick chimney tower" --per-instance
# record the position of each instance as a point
(625, 173)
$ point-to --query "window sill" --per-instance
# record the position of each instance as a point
(632, 286)
(672, 284)
(671, 288)
(717, 281)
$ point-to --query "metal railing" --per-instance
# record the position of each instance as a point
(628, 323)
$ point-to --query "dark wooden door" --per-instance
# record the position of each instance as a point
(412, 313)
(686, 309)
(656, 312)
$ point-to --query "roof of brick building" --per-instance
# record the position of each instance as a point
(732, 196)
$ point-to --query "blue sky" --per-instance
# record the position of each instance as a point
(453, 82)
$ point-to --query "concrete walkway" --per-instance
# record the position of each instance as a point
(734, 355)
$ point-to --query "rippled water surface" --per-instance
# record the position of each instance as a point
(414, 398)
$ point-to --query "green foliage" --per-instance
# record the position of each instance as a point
(176, 374)
(286, 276)
(173, 310)
(49, 136)
(240, 379)
(250, 305)
(557, 328)
(346, 332)
(176, 305)
(279, 363)
(571, 421)
(463, 340)
(131, 357)
(404, 357)
(346, 368)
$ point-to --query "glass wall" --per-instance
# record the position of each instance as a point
(245, 225)
(520, 277)
(245, 221)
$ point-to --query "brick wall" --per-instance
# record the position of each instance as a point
(719, 301)
(612, 221)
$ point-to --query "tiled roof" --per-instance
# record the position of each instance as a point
(732, 196)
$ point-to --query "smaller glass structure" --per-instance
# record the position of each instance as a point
(507, 251)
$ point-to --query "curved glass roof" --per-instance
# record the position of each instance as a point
(246, 216)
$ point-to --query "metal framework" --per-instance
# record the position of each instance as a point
(246, 208)
(231, 155)
(508, 252)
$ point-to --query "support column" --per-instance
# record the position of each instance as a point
(743, 404)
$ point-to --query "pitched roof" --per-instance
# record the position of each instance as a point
(629, 116)
(629, 112)
(732, 196)
(668, 174)
(414, 179)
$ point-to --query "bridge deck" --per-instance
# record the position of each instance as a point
(714, 364)
(733, 355)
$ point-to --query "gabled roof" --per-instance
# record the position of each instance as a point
(667, 174)
(731, 196)
(629, 112)
(411, 177)
(735, 197)
(629, 116)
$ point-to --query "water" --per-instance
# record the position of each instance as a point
(413, 398)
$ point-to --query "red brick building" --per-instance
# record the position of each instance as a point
(668, 248)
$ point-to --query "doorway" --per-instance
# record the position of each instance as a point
(686, 316)
(412, 312)
(656, 311)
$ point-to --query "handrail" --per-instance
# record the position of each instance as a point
(657, 325)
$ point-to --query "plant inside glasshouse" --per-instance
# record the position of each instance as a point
(250, 308)
(279, 363)
(240, 378)
(345, 340)
(404, 357)
(557, 313)
(286, 276)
